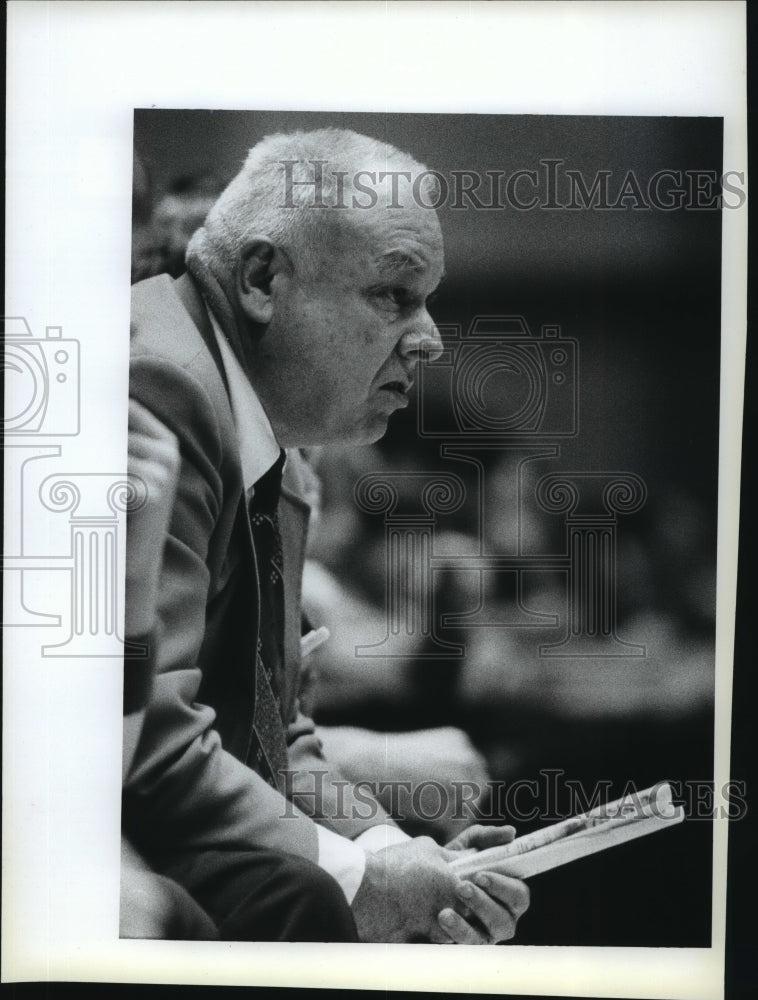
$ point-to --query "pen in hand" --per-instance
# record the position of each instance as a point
(315, 638)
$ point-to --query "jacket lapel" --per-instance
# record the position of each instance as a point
(293, 519)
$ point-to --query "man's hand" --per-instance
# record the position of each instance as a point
(409, 893)
(492, 907)
(494, 903)
(479, 837)
(404, 887)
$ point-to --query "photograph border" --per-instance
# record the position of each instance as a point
(76, 72)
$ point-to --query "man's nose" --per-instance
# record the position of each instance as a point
(422, 342)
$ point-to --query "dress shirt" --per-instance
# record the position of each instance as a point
(343, 859)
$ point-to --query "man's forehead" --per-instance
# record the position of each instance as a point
(395, 262)
(397, 240)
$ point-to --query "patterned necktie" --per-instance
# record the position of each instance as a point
(268, 743)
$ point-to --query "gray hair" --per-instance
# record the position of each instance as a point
(286, 173)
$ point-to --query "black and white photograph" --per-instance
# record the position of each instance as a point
(384, 547)
(512, 475)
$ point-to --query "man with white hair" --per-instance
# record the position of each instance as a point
(300, 321)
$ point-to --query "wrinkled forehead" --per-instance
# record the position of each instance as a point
(388, 239)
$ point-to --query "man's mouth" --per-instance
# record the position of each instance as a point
(399, 389)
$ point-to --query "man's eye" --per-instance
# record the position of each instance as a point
(392, 297)
(399, 297)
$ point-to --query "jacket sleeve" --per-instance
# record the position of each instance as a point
(185, 791)
(138, 675)
(318, 787)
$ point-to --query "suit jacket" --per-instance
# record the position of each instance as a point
(190, 786)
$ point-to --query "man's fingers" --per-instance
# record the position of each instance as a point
(153, 451)
(492, 909)
(141, 420)
(458, 930)
(437, 934)
(480, 837)
(495, 917)
(144, 446)
(512, 892)
(153, 457)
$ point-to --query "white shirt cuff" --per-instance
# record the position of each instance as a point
(376, 838)
(342, 859)
(345, 860)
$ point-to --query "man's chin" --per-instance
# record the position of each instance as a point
(368, 431)
(372, 432)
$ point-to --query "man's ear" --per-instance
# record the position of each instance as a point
(259, 262)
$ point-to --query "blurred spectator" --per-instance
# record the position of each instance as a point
(144, 261)
(430, 780)
(178, 213)
(163, 222)
(665, 604)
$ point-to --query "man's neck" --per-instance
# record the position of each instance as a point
(257, 443)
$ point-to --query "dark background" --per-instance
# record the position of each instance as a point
(640, 291)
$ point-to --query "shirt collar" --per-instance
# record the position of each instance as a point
(255, 435)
